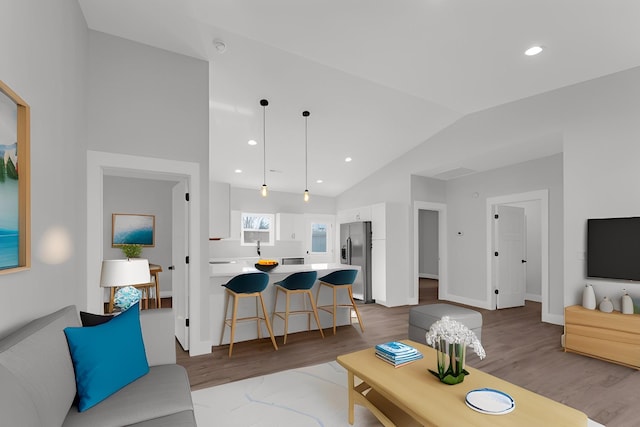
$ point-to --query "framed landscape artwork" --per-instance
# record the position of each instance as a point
(133, 229)
(15, 204)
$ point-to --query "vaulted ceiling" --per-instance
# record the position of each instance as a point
(379, 77)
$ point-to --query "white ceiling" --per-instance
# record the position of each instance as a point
(379, 77)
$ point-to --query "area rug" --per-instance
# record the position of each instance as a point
(314, 396)
(311, 396)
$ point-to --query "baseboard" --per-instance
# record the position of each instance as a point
(556, 319)
(428, 276)
(199, 348)
(467, 301)
(533, 297)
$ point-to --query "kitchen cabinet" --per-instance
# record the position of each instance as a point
(379, 270)
(234, 225)
(290, 226)
(379, 221)
(219, 213)
(353, 215)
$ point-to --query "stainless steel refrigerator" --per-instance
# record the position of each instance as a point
(355, 249)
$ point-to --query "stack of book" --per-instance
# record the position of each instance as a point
(397, 353)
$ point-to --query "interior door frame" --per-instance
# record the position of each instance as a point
(100, 164)
(441, 208)
(179, 252)
(543, 197)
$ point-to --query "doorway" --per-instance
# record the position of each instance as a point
(100, 164)
(428, 255)
(430, 251)
(536, 283)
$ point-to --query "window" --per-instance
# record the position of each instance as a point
(319, 238)
(256, 227)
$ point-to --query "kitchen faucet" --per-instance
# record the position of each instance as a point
(258, 248)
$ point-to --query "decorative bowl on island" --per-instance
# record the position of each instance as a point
(266, 264)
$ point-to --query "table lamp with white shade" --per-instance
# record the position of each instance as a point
(117, 273)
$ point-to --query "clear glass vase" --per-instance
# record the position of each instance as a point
(451, 362)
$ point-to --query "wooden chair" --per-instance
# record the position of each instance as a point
(245, 286)
(296, 284)
(340, 279)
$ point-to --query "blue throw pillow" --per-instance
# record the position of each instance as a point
(107, 357)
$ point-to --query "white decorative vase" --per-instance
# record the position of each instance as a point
(589, 297)
(627, 304)
(606, 306)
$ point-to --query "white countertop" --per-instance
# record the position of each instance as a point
(227, 270)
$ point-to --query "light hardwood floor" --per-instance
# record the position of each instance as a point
(520, 349)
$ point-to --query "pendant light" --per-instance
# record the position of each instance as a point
(305, 114)
(263, 190)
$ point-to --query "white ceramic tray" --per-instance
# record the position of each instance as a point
(490, 401)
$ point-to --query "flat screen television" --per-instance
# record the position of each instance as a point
(613, 248)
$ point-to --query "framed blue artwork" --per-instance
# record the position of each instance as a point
(15, 204)
(132, 229)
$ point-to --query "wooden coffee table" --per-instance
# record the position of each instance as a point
(410, 395)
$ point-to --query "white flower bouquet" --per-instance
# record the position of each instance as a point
(451, 338)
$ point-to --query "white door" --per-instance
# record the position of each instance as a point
(318, 238)
(509, 256)
(179, 269)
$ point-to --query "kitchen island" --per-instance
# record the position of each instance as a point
(220, 273)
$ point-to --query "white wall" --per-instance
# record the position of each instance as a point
(44, 49)
(250, 200)
(147, 197)
(146, 101)
(601, 175)
(152, 103)
(467, 214)
(425, 189)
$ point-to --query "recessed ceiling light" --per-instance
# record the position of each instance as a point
(319, 181)
(252, 142)
(533, 50)
(238, 171)
(348, 159)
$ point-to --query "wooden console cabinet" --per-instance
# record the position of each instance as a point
(614, 337)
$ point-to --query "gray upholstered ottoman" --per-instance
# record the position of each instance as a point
(423, 316)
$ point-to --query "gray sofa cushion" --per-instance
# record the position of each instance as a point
(50, 391)
(158, 332)
(181, 419)
(162, 392)
(16, 407)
